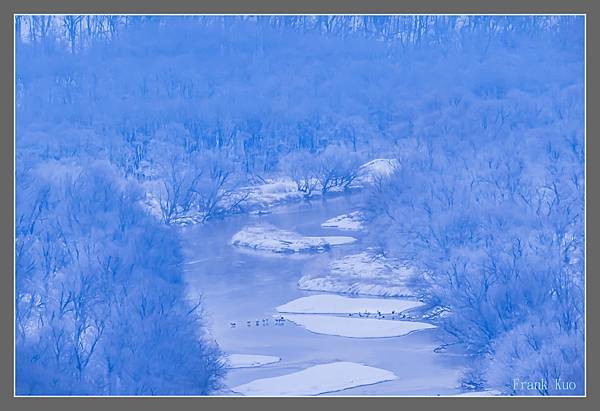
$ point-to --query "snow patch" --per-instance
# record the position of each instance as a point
(370, 172)
(337, 304)
(352, 221)
(269, 238)
(272, 192)
(318, 379)
(356, 327)
(250, 360)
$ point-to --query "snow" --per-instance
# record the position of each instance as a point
(337, 304)
(272, 192)
(352, 221)
(369, 172)
(318, 379)
(151, 204)
(335, 239)
(356, 327)
(250, 360)
(270, 238)
(364, 273)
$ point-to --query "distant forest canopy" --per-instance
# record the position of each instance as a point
(78, 31)
(262, 87)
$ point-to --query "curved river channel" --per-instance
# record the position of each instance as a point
(240, 285)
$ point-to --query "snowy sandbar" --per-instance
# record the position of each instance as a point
(356, 327)
(318, 379)
(269, 238)
(337, 304)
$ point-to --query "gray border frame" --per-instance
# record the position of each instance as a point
(10, 7)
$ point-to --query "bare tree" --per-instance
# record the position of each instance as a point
(180, 185)
(337, 167)
(72, 25)
(301, 167)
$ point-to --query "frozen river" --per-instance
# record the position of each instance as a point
(240, 285)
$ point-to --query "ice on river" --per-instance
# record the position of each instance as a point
(355, 327)
(363, 273)
(352, 222)
(250, 360)
(337, 304)
(318, 379)
(270, 238)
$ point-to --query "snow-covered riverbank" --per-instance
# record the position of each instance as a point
(351, 222)
(364, 273)
(269, 193)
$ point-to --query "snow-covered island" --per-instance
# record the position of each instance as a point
(318, 379)
(364, 273)
(269, 238)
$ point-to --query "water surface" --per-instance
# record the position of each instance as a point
(240, 285)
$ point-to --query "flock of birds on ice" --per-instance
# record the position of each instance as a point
(280, 321)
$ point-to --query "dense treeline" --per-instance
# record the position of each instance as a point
(77, 32)
(488, 201)
(251, 90)
(485, 114)
(99, 298)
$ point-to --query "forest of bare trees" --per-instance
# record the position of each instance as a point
(483, 113)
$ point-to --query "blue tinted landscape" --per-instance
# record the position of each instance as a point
(299, 205)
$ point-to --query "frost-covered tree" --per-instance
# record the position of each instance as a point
(303, 168)
(99, 300)
(337, 168)
(498, 240)
(121, 116)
